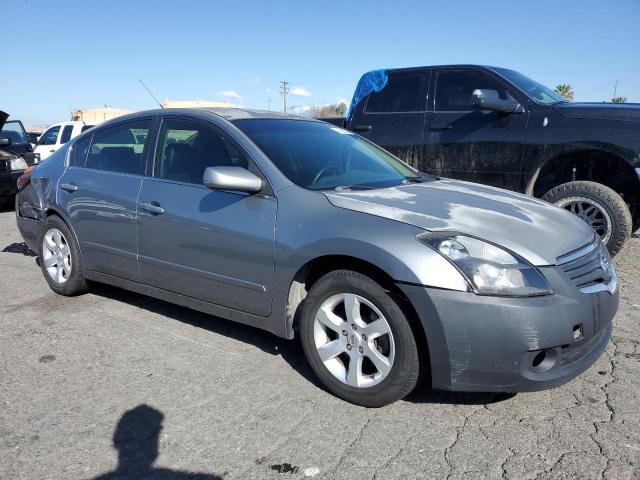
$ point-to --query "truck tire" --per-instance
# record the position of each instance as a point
(599, 206)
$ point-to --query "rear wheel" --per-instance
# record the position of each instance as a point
(60, 259)
(358, 341)
(597, 205)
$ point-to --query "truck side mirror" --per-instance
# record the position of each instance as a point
(5, 142)
(486, 99)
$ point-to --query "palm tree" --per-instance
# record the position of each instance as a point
(565, 90)
(619, 99)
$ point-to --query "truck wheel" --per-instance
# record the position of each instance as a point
(358, 341)
(599, 206)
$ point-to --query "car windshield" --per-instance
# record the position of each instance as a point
(319, 156)
(535, 90)
(14, 131)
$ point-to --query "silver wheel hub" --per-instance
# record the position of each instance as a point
(56, 256)
(590, 212)
(354, 340)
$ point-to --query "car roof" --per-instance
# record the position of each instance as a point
(230, 114)
(461, 65)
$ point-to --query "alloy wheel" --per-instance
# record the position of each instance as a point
(590, 212)
(56, 256)
(354, 340)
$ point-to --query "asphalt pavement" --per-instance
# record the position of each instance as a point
(113, 384)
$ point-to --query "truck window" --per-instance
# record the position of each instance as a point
(66, 134)
(50, 136)
(454, 89)
(403, 93)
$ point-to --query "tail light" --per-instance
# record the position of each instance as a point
(25, 178)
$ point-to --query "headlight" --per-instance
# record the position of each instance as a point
(18, 163)
(489, 269)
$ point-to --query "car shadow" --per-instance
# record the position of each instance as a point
(290, 350)
(137, 438)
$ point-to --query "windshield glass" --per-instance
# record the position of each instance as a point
(535, 90)
(14, 131)
(320, 156)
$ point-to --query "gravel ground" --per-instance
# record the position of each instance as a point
(116, 384)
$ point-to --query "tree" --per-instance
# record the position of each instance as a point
(565, 90)
(335, 110)
(619, 99)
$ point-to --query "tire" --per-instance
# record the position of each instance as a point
(609, 213)
(382, 376)
(59, 258)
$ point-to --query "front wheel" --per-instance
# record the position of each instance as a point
(358, 341)
(597, 205)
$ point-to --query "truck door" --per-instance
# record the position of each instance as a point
(394, 117)
(469, 144)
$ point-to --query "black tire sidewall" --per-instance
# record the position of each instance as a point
(404, 373)
(607, 199)
(76, 283)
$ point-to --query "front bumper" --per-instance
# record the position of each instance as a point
(480, 343)
(8, 184)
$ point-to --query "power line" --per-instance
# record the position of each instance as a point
(284, 90)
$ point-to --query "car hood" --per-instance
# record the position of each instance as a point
(600, 111)
(536, 230)
(3, 118)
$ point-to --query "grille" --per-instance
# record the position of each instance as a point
(588, 266)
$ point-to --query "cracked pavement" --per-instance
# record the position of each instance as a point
(239, 403)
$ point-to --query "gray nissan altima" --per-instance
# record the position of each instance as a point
(292, 225)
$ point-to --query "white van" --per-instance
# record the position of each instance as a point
(56, 136)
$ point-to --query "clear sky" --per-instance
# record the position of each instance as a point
(78, 54)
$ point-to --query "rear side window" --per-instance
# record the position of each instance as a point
(403, 93)
(454, 89)
(79, 152)
(120, 148)
(85, 128)
(187, 148)
(50, 136)
(66, 134)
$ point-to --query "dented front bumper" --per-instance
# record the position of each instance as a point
(480, 343)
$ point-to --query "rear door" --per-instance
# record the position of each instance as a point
(394, 117)
(470, 144)
(99, 191)
(213, 245)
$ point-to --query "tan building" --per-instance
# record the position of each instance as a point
(93, 116)
(195, 104)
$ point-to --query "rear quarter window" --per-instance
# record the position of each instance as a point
(403, 93)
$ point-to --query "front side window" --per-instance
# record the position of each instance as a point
(14, 131)
(121, 148)
(50, 136)
(66, 134)
(187, 148)
(454, 89)
(403, 93)
(319, 156)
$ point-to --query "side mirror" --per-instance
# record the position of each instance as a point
(5, 142)
(231, 178)
(490, 100)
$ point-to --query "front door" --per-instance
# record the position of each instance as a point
(394, 117)
(470, 144)
(48, 142)
(212, 245)
(99, 191)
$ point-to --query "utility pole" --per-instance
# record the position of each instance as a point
(284, 90)
(269, 104)
(615, 89)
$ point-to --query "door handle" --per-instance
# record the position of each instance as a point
(361, 128)
(438, 129)
(69, 187)
(153, 207)
(52, 150)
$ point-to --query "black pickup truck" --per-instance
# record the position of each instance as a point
(16, 154)
(498, 127)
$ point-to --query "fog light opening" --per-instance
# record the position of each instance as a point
(539, 358)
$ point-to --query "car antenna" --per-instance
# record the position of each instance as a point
(152, 95)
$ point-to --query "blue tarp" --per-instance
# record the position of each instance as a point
(372, 81)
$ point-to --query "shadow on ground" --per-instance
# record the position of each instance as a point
(289, 350)
(137, 438)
